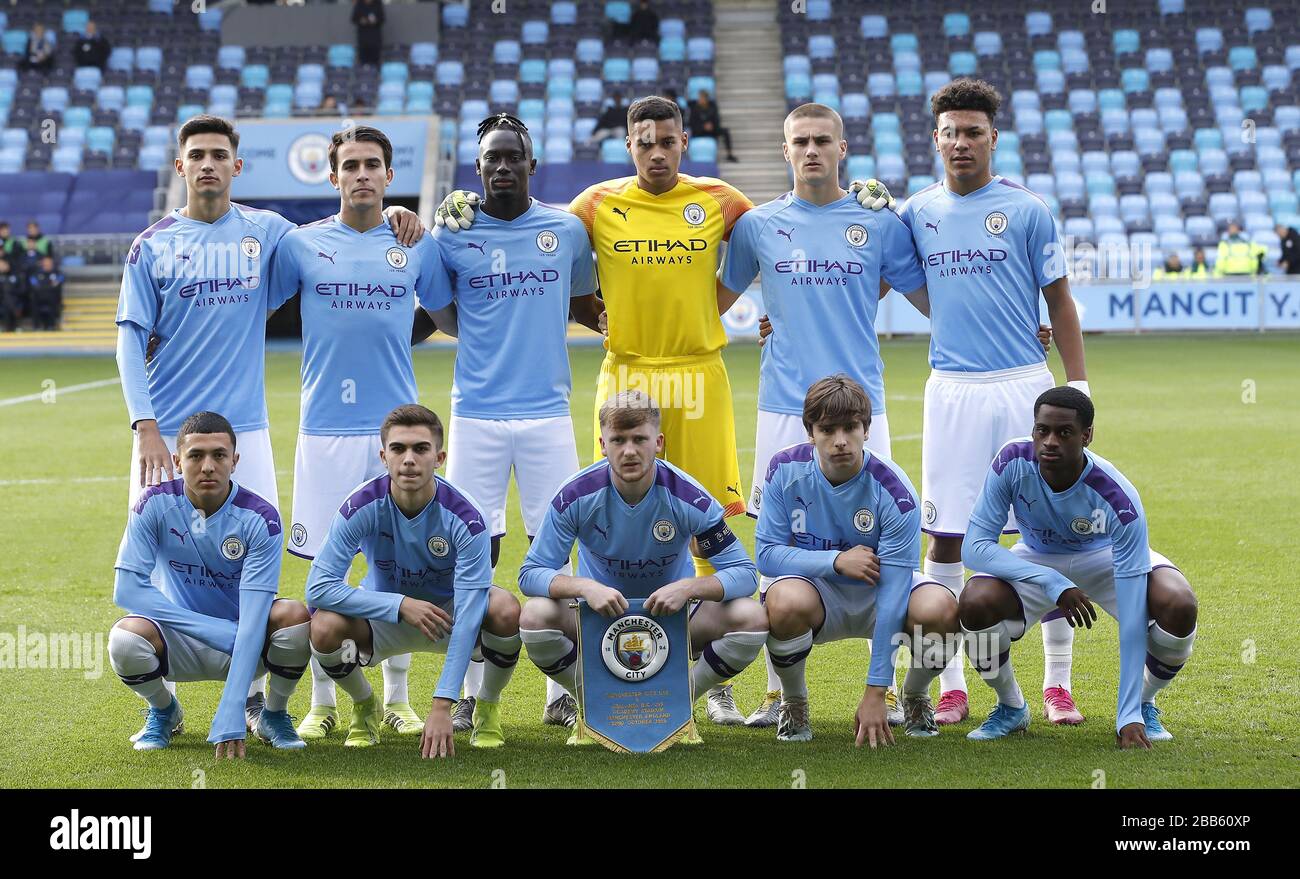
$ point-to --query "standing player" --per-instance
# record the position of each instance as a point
(1083, 539)
(839, 534)
(514, 283)
(988, 246)
(196, 281)
(360, 288)
(214, 616)
(428, 588)
(634, 519)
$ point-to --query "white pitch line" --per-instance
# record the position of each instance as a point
(70, 389)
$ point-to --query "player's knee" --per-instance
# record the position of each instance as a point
(285, 613)
(328, 630)
(537, 613)
(142, 627)
(787, 603)
(503, 613)
(934, 611)
(749, 615)
(979, 604)
(1172, 602)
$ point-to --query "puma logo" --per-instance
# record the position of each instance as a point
(478, 247)
(601, 530)
(801, 502)
(179, 536)
(934, 226)
(735, 491)
(780, 231)
(1024, 500)
(622, 213)
(329, 256)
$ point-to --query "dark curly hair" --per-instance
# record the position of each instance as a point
(966, 94)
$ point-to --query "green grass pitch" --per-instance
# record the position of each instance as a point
(1204, 425)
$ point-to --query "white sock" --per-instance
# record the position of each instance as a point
(990, 652)
(287, 656)
(137, 664)
(256, 685)
(773, 681)
(1166, 654)
(474, 678)
(924, 668)
(500, 655)
(348, 674)
(552, 652)
(554, 690)
(397, 670)
(951, 575)
(1058, 653)
(322, 685)
(791, 658)
(724, 658)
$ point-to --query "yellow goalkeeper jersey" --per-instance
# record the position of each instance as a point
(657, 260)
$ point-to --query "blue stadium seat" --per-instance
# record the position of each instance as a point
(910, 84)
(307, 95)
(645, 70)
(1051, 82)
(422, 54)
(1038, 24)
(873, 27)
(1208, 138)
(796, 64)
(1135, 79)
(826, 83)
(1252, 202)
(672, 28)
(122, 58)
(1292, 57)
(100, 139)
(887, 142)
(311, 73)
(917, 182)
(279, 93)
(617, 70)
(818, 10)
(1242, 58)
(343, 55)
(1173, 120)
(1071, 39)
(1047, 59)
(935, 80)
(672, 49)
(564, 13)
(148, 58)
(1111, 99)
(559, 87)
(1287, 118)
(561, 67)
(473, 110)
(87, 78)
(1041, 184)
(76, 117)
(1202, 230)
(1283, 202)
(536, 108)
(198, 76)
(157, 136)
(449, 72)
(1209, 39)
(54, 98)
(1276, 77)
(890, 166)
(74, 137)
(13, 138)
(1009, 139)
(210, 21)
(588, 90)
(419, 89)
(1160, 60)
(619, 11)
(1133, 208)
(1109, 228)
(504, 91)
(699, 49)
(255, 76)
(1025, 98)
(1095, 162)
(1074, 61)
(394, 71)
(821, 46)
(1167, 224)
(1253, 98)
(532, 71)
(988, 43)
(798, 87)
(506, 52)
(1168, 97)
(1099, 183)
(855, 105)
(66, 160)
(1029, 121)
(1125, 41)
(230, 57)
(1182, 160)
(702, 149)
(956, 24)
(1078, 227)
(111, 97)
(962, 64)
(1082, 101)
(1212, 161)
(830, 99)
(907, 62)
(74, 21)
(881, 85)
(1149, 141)
(455, 15)
(11, 161)
(1220, 77)
(1257, 19)
(590, 51)
(1269, 158)
(613, 150)
(134, 118)
(861, 167)
(1058, 120)
(696, 83)
(14, 41)
(534, 33)
(161, 6)
(1172, 7)
(559, 149)
(1188, 184)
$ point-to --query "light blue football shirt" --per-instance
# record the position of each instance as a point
(636, 549)
(359, 293)
(821, 268)
(512, 281)
(987, 255)
(804, 523)
(443, 553)
(1102, 509)
(201, 287)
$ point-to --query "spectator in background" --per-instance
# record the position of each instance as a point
(1290, 240)
(705, 122)
(612, 121)
(671, 94)
(1173, 268)
(8, 244)
(1200, 268)
(11, 296)
(368, 16)
(329, 106)
(1238, 255)
(45, 290)
(644, 25)
(92, 50)
(38, 240)
(39, 55)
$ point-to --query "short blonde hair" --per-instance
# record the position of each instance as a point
(628, 409)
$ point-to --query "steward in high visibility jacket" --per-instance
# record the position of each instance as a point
(1238, 255)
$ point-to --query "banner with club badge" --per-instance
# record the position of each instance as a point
(634, 678)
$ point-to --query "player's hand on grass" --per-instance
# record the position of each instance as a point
(667, 600)
(604, 600)
(406, 225)
(457, 210)
(426, 616)
(1045, 338)
(155, 460)
(871, 723)
(233, 749)
(1078, 609)
(859, 563)
(1133, 737)
(436, 740)
(764, 330)
(872, 194)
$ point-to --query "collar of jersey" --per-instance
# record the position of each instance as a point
(821, 474)
(996, 179)
(418, 516)
(181, 218)
(488, 218)
(807, 205)
(230, 499)
(344, 227)
(623, 504)
(1087, 468)
(636, 184)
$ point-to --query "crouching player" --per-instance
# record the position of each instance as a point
(1083, 539)
(839, 533)
(214, 615)
(428, 588)
(637, 521)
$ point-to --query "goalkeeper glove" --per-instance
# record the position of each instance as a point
(457, 210)
(872, 194)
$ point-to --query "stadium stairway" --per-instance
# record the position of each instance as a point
(89, 309)
(751, 96)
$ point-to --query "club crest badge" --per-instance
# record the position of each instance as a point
(309, 160)
(864, 521)
(396, 257)
(1081, 525)
(547, 241)
(856, 235)
(664, 531)
(634, 647)
(438, 546)
(930, 512)
(251, 247)
(694, 214)
(233, 548)
(995, 223)
(298, 534)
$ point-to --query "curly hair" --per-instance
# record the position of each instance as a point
(966, 94)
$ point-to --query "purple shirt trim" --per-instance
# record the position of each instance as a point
(175, 487)
(458, 505)
(1005, 182)
(793, 455)
(247, 500)
(680, 488)
(890, 482)
(1010, 452)
(153, 230)
(368, 493)
(1112, 494)
(583, 485)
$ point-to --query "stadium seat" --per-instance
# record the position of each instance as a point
(1135, 79)
(504, 91)
(564, 13)
(910, 84)
(672, 28)
(76, 117)
(855, 106)
(311, 73)
(111, 97)
(614, 150)
(1038, 24)
(1209, 39)
(1242, 58)
(956, 24)
(988, 44)
(861, 167)
(344, 55)
(1082, 101)
(881, 85)
(122, 58)
(818, 10)
(590, 51)
(617, 70)
(148, 58)
(532, 71)
(455, 14)
(1051, 82)
(962, 64)
(619, 11)
(534, 33)
(394, 71)
(100, 139)
(254, 76)
(702, 149)
(87, 79)
(701, 49)
(449, 72)
(134, 118)
(672, 49)
(54, 98)
(645, 70)
(873, 27)
(697, 83)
